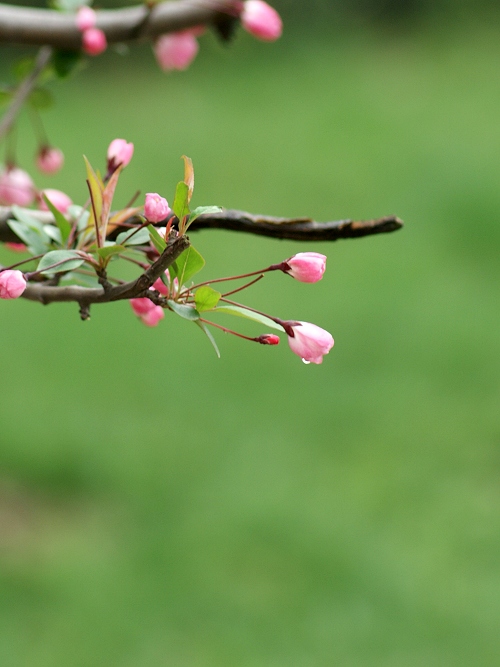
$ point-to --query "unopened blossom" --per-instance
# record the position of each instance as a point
(58, 199)
(160, 286)
(261, 20)
(85, 18)
(310, 342)
(94, 41)
(12, 284)
(268, 339)
(153, 316)
(156, 208)
(176, 51)
(16, 187)
(119, 153)
(16, 247)
(141, 306)
(307, 267)
(49, 160)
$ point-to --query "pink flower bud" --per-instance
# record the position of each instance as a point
(49, 160)
(94, 41)
(156, 208)
(310, 342)
(16, 187)
(152, 317)
(261, 20)
(141, 306)
(16, 247)
(160, 286)
(307, 267)
(85, 18)
(119, 153)
(176, 50)
(58, 199)
(12, 284)
(268, 339)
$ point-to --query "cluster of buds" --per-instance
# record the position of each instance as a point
(176, 51)
(149, 234)
(93, 39)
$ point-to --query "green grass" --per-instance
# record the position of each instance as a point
(162, 508)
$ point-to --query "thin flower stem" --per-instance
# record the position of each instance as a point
(226, 330)
(23, 261)
(24, 90)
(287, 326)
(239, 289)
(243, 275)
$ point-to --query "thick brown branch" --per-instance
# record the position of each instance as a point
(86, 296)
(297, 229)
(27, 25)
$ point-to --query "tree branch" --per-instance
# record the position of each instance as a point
(86, 296)
(296, 229)
(28, 25)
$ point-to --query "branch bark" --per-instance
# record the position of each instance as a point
(86, 296)
(296, 229)
(28, 25)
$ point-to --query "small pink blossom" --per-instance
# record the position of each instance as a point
(119, 153)
(12, 284)
(94, 41)
(153, 316)
(261, 20)
(310, 342)
(141, 306)
(307, 267)
(160, 286)
(16, 187)
(176, 51)
(156, 208)
(58, 199)
(268, 339)
(16, 247)
(49, 160)
(85, 18)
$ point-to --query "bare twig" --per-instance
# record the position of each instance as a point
(297, 229)
(24, 90)
(28, 25)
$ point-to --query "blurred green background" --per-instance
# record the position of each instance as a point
(163, 508)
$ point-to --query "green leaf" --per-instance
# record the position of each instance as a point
(249, 315)
(41, 98)
(53, 233)
(109, 250)
(206, 298)
(23, 216)
(30, 231)
(208, 333)
(202, 210)
(188, 175)
(77, 213)
(156, 239)
(181, 201)
(139, 238)
(96, 194)
(188, 265)
(187, 312)
(66, 260)
(61, 222)
(64, 62)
